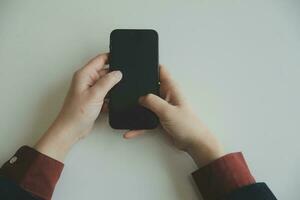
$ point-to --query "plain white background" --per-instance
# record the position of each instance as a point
(236, 61)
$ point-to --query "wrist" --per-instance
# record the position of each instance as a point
(57, 141)
(205, 151)
(66, 128)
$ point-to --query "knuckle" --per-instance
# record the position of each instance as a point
(77, 74)
(167, 112)
(93, 93)
(102, 58)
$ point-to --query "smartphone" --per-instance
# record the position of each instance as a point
(135, 53)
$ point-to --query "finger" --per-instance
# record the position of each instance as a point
(97, 63)
(164, 75)
(89, 74)
(104, 108)
(169, 87)
(155, 104)
(133, 133)
(103, 72)
(105, 83)
(93, 77)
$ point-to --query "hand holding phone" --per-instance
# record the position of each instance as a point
(181, 124)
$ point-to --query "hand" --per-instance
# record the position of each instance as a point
(179, 121)
(82, 106)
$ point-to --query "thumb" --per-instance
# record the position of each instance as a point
(155, 104)
(105, 83)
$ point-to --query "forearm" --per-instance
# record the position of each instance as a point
(57, 141)
(203, 146)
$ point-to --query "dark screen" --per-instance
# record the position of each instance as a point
(135, 54)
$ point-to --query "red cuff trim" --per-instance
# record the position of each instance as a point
(222, 176)
(33, 171)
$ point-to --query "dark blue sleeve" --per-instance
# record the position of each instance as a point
(11, 191)
(257, 191)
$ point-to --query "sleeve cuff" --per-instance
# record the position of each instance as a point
(33, 171)
(222, 176)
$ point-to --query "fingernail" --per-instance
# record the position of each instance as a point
(117, 74)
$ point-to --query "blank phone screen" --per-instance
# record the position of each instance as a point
(135, 54)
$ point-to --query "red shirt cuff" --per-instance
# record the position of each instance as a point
(222, 176)
(33, 171)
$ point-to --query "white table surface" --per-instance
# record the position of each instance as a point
(237, 62)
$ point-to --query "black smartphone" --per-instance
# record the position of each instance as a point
(135, 53)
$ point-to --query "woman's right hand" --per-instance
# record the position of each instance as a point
(180, 122)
